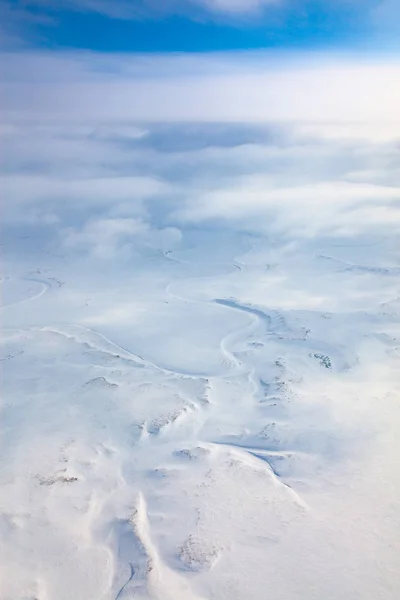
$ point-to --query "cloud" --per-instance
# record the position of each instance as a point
(244, 87)
(235, 7)
(103, 237)
(137, 9)
(32, 198)
(124, 9)
(295, 145)
(328, 208)
(107, 238)
(284, 179)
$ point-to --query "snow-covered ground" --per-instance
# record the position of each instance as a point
(201, 369)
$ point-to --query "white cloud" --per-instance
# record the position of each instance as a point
(31, 197)
(137, 9)
(106, 238)
(326, 163)
(324, 90)
(235, 7)
(328, 208)
(133, 9)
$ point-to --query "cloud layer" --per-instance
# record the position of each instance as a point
(240, 87)
(295, 147)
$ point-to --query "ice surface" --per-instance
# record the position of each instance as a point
(212, 415)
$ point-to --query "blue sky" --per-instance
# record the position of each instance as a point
(198, 25)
